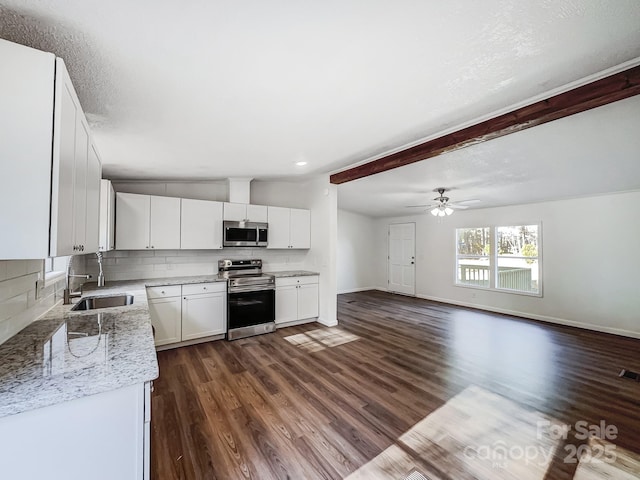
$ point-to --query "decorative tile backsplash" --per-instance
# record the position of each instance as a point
(140, 264)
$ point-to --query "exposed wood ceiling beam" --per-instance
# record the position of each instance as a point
(601, 92)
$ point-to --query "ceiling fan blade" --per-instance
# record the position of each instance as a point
(456, 206)
(475, 200)
(415, 206)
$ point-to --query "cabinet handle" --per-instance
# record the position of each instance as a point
(162, 291)
(204, 288)
(147, 246)
(152, 246)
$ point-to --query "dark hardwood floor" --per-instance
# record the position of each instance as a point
(401, 385)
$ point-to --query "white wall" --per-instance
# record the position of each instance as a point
(355, 252)
(18, 303)
(218, 191)
(590, 264)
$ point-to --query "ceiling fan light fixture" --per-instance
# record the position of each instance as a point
(441, 211)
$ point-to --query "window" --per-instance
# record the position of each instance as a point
(472, 259)
(517, 258)
(54, 269)
(504, 258)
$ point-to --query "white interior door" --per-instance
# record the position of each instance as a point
(402, 255)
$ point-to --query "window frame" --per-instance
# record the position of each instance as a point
(493, 259)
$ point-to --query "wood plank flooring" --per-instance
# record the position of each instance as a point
(402, 385)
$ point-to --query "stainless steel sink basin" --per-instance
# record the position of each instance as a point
(92, 303)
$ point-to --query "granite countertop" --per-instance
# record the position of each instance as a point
(162, 282)
(66, 355)
(292, 273)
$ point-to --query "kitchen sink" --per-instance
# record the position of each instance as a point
(93, 303)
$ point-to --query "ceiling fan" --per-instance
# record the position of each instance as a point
(442, 206)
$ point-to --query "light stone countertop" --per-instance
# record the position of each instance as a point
(67, 355)
(292, 273)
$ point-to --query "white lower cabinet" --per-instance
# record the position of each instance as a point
(188, 312)
(296, 299)
(72, 439)
(166, 317)
(204, 310)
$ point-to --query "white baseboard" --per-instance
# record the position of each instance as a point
(354, 290)
(533, 316)
(293, 323)
(327, 324)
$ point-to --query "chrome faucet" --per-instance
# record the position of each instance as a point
(68, 294)
(101, 274)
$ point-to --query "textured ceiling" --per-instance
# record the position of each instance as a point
(219, 88)
(594, 152)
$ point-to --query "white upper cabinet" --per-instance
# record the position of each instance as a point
(257, 213)
(279, 227)
(94, 172)
(76, 174)
(289, 228)
(42, 149)
(164, 232)
(201, 224)
(107, 216)
(147, 221)
(240, 212)
(133, 214)
(66, 119)
(80, 185)
(300, 228)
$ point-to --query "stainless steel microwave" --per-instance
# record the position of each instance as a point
(244, 234)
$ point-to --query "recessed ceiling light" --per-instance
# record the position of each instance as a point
(300, 164)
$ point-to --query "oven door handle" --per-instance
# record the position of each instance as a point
(250, 288)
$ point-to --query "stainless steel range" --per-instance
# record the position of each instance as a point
(251, 304)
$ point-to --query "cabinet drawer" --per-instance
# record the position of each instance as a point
(303, 280)
(196, 288)
(165, 291)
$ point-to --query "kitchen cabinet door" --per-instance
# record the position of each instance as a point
(132, 221)
(201, 224)
(87, 431)
(286, 304)
(107, 216)
(278, 227)
(92, 227)
(27, 125)
(166, 317)
(204, 315)
(80, 185)
(236, 212)
(66, 119)
(300, 228)
(164, 223)
(307, 301)
(257, 213)
(239, 212)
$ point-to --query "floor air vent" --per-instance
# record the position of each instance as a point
(630, 375)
